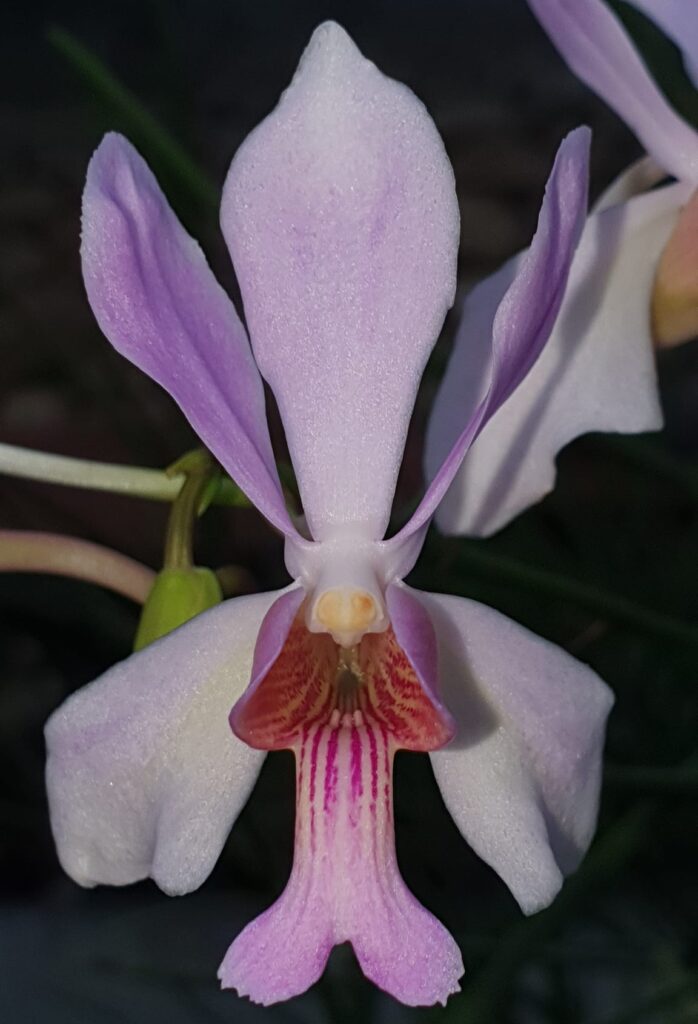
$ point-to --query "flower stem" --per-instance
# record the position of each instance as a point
(200, 478)
(135, 481)
(52, 553)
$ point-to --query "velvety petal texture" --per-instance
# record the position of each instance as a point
(144, 775)
(678, 19)
(159, 304)
(597, 48)
(341, 216)
(522, 777)
(597, 372)
(523, 316)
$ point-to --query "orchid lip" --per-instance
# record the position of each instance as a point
(344, 714)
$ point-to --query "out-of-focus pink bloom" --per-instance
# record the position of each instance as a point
(340, 214)
(597, 372)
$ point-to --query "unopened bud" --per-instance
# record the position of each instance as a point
(177, 596)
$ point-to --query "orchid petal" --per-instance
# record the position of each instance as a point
(158, 303)
(597, 372)
(521, 779)
(522, 320)
(341, 216)
(144, 776)
(597, 48)
(677, 19)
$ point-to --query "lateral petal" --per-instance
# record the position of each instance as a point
(597, 372)
(144, 776)
(159, 304)
(341, 217)
(521, 314)
(521, 779)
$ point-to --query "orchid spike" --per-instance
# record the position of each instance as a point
(597, 372)
(341, 215)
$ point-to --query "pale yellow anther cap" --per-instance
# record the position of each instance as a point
(346, 613)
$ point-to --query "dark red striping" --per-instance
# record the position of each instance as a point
(313, 776)
(357, 788)
(300, 690)
(331, 772)
(399, 699)
(300, 761)
(322, 713)
(344, 811)
(374, 764)
(387, 713)
(316, 687)
(377, 834)
(388, 770)
(289, 694)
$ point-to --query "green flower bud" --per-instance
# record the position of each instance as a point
(176, 596)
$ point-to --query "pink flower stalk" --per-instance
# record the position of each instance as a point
(341, 217)
(597, 372)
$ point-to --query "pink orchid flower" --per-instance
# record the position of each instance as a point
(638, 247)
(341, 217)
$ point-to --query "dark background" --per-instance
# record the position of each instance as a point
(621, 943)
